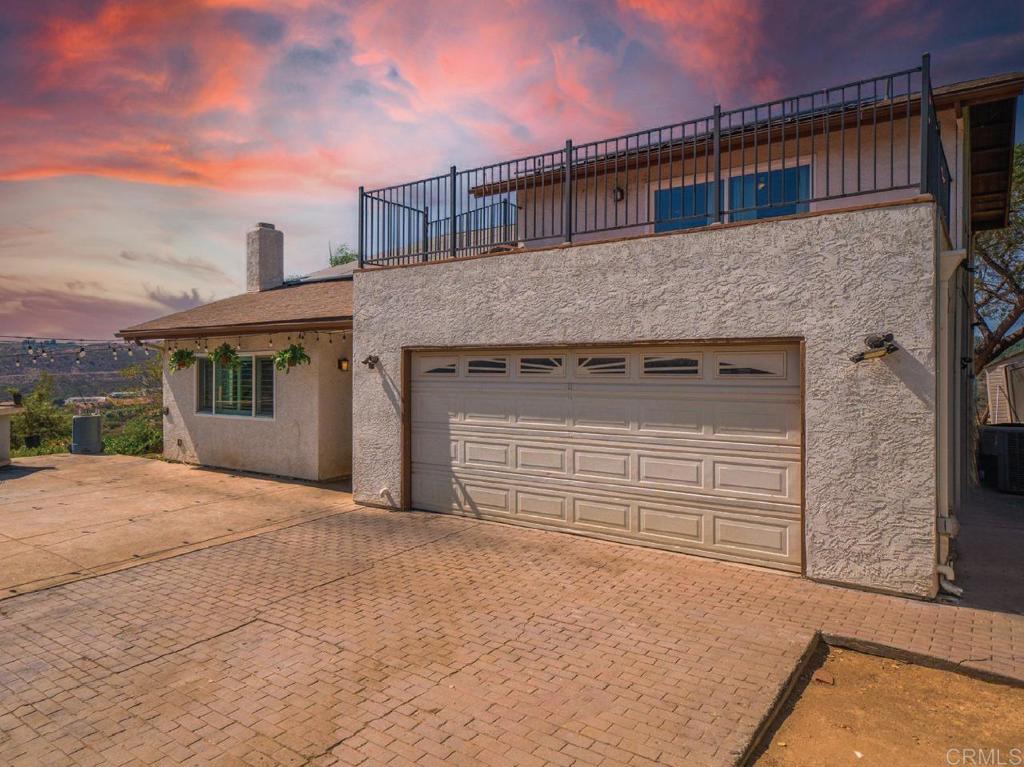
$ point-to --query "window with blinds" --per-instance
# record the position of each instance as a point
(265, 387)
(247, 390)
(204, 385)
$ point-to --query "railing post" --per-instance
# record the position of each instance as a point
(452, 220)
(926, 109)
(426, 232)
(567, 191)
(361, 236)
(716, 193)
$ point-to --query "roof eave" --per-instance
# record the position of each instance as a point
(241, 329)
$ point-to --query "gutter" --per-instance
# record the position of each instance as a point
(217, 331)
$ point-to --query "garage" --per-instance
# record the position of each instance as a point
(694, 448)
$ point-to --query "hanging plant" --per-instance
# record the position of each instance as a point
(226, 356)
(181, 359)
(288, 358)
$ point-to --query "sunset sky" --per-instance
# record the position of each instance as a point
(140, 140)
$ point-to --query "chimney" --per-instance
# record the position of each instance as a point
(264, 258)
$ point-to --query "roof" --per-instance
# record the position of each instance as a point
(339, 272)
(300, 306)
(1009, 353)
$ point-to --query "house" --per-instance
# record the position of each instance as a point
(1004, 384)
(740, 336)
(295, 422)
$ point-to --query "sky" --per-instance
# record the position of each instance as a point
(140, 140)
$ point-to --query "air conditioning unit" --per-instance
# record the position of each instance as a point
(1004, 446)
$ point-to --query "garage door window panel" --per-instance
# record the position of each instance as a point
(672, 365)
(609, 365)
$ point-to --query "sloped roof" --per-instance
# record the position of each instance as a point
(1012, 351)
(299, 306)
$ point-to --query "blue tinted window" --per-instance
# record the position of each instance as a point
(681, 207)
(769, 193)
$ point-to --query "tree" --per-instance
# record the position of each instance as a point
(999, 278)
(342, 254)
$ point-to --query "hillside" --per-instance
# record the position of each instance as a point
(98, 372)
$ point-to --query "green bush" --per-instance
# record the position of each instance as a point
(42, 418)
(140, 435)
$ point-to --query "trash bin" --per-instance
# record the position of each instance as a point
(85, 434)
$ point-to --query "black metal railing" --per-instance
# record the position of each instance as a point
(770, 159)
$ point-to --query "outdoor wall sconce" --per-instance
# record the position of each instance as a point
(618, 194)
(878, 346)
(343, 364)
(371, 361)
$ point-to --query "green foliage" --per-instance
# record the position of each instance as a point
(42, 418)
(290, 357)
(180, 359)
(999, 277)
(146, 374)
(226, 356)
(342, 254)
(141, 435)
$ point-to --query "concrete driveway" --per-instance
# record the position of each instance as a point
(369, 637)
(64, 517)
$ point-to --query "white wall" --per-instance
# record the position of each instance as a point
(310, 435)
(870, 497)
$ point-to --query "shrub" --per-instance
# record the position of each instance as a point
(141, 435)
(42, 418)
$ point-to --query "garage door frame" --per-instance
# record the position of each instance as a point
(406, 419)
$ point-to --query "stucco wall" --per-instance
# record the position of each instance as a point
(830, 279)
(309, 436)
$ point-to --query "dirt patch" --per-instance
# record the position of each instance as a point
(878, 711)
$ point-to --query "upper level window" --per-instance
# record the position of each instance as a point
(769, 193)
(682, 207)
(247, 390)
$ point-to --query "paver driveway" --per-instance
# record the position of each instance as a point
(370, 637)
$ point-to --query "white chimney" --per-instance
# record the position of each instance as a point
(264, 258)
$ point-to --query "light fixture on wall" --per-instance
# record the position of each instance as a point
(371, 361)
(618, 194)
(343, 364)
(879, 345)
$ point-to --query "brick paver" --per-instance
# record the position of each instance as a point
(370, 638)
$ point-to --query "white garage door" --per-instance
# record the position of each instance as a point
(688, 448)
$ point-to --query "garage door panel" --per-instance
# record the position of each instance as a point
(539, 458)
(672, 524)
(601, 412)
(703, 458)
(606, 465)
(762, 420)
(590, 512)
(486, 453)
(773, 479)
(545, 506)
(753, 536)
(677, 471)
(672, 415)
(541, 410)
(435, 447)
(486, 497)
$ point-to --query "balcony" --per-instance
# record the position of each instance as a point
(867, 141)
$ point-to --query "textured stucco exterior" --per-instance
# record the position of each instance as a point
(310, 435)
(870, 443)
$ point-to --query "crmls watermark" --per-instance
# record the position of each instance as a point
(985, 757)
